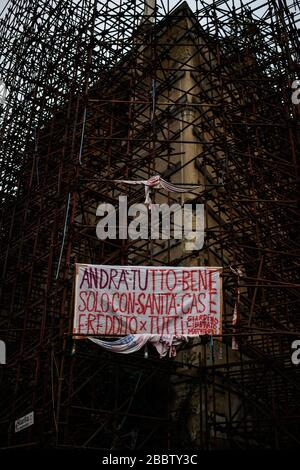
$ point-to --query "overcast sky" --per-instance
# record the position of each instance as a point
(2, 4)
(173, 2)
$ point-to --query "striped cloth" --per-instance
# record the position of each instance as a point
(132, 343)
(156, 182)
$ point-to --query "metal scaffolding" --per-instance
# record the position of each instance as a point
(99, 91)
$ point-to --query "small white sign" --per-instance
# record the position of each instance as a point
(24, 422)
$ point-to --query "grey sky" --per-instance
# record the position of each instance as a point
(174, 2)
(2, 4)
(171, 3)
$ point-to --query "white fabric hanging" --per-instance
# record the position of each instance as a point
(132, 343)
(234, 343)
(156, 182)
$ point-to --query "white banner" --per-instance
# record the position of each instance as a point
(159, 300)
